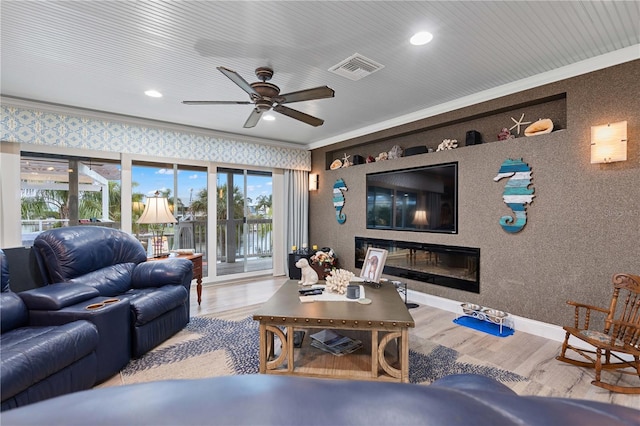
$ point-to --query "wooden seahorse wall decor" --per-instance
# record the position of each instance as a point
(516, 194)
(338, 200)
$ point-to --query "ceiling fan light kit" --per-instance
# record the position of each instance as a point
(266, 96)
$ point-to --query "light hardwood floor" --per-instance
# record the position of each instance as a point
(525, 354)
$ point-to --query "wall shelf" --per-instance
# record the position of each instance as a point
(488, 123)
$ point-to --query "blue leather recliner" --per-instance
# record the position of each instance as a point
(264, 399)
(114, 263)
(41, 361)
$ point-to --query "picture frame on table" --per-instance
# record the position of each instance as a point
(373, 264)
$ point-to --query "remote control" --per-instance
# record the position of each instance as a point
(311, 292)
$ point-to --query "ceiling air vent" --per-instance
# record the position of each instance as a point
(356, 67)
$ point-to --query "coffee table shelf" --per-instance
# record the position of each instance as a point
(382, 326)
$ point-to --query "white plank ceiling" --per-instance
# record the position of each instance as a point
(102, 55)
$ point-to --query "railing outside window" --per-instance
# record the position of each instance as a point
(259, 239)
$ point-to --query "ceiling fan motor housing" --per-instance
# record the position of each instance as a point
(266, 90)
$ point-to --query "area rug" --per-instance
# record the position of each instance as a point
(210, 347)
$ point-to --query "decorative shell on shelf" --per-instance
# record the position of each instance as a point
(382, 156)
(345, 161)
(338, 280)
(396, 152)
(447, 144)
(540, 127)
(336, 164)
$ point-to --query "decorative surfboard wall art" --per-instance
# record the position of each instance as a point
(516, 194)
(338, 200)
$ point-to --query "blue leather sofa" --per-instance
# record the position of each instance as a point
(113, 263)
(285, 400)
(41, 361)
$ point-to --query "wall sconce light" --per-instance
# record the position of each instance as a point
(313, 181)
(609, 143)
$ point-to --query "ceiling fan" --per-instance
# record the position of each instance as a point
(266, 96)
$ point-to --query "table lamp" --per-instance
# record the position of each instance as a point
(157, 214)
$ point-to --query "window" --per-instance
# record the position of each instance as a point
(63, 190)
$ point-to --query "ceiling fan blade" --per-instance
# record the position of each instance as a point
(305, 118)
(216, 102)
(237, 79)
(253, 119)
(308, 94)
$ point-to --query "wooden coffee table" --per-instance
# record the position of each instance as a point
(385, 320)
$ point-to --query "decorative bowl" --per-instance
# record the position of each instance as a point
(495, 316)
(470, 308)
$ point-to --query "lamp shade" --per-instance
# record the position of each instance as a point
(157, 211)
(609, 143)
(420, 218)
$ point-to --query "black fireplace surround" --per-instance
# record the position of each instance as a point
(448, 266)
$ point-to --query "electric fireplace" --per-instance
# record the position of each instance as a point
(448, 266)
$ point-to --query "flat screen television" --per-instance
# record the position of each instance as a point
(422, 199)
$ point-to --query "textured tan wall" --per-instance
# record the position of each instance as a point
(583, 225)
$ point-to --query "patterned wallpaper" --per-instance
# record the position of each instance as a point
(61, 130)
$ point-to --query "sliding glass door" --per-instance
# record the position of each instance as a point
(244, 221)
(185, 188)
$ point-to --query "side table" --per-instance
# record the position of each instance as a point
(196, 259)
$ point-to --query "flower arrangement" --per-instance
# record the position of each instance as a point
(338, 279)
(323, 262)
(324, 258)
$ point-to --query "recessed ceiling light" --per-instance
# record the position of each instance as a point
(269, 117)
(153, 93)
(423, 37)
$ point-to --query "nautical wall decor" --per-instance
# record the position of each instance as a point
(338, 200)
(516, 194)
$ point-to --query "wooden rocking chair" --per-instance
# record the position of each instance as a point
(620, 340)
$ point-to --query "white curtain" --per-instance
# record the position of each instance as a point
(296, 195)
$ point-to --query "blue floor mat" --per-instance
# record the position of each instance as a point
(484, 326)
